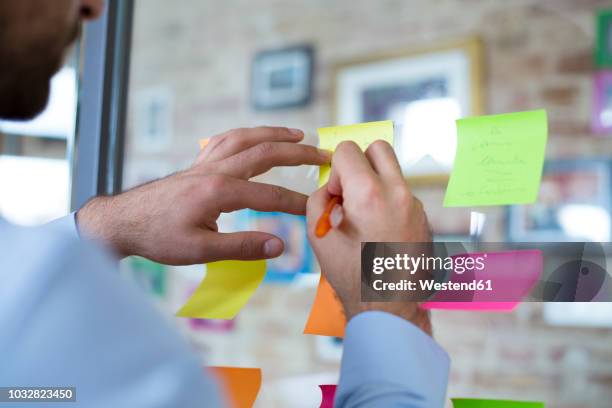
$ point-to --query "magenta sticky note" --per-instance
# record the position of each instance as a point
(328, 392)
(507, 278)
(501, 307)
(213, 325)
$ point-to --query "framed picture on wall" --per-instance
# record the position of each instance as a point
(297, 258)
(573, 205)
(282, 78)
(602, 103)
(423, 91)
(603, 50)
(150, 276)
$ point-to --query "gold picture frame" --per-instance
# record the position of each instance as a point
(351, 80)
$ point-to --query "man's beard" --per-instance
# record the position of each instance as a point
(25, 88)
(26, 95)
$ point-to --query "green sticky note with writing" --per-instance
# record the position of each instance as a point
(499, 160)
(482, 403)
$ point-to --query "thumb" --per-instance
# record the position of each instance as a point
(246, 246)
(315, 206)
(334, 184)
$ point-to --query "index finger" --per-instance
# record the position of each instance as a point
(350, 167)
(237, 194)
(265, 156)
(237, 140)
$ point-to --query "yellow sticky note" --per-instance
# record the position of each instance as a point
(204, 143)
(363, 134)
(499, 160)
(226, 288)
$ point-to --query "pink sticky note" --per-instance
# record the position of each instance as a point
(213, 325)
(512, 275)
(328, 393)
(502, 307)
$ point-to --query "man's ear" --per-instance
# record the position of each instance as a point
(91, 9)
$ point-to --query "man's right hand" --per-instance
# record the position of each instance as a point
(377, 207)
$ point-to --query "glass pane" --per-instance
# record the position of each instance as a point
(201, 67)
(34, 162)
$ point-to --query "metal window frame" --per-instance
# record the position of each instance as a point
(97, 156)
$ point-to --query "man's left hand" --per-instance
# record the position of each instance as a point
(174, 220)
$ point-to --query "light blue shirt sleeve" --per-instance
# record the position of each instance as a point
(67, 225)
(68, 319)
(388, 362)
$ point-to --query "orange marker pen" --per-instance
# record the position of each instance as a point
(324, 224)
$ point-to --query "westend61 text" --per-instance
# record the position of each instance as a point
(431, 285)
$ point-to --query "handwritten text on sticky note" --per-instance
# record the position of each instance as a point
(499, 160)
(226, 288)
(363, 134)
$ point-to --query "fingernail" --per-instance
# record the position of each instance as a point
(336, 216)
(273, 248)
(297, 132)
(326, 153)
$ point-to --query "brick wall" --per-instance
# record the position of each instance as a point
(537, 54)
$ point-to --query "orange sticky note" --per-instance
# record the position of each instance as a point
(203, 143)
(240, 385)
(326, 315)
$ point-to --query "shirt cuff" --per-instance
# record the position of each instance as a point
(67, 224)
(383, 349)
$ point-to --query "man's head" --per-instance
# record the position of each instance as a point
(34, 38)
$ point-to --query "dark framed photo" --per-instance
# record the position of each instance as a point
(573, 205)
(602, 103)
(603, 51)
(282, 78)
